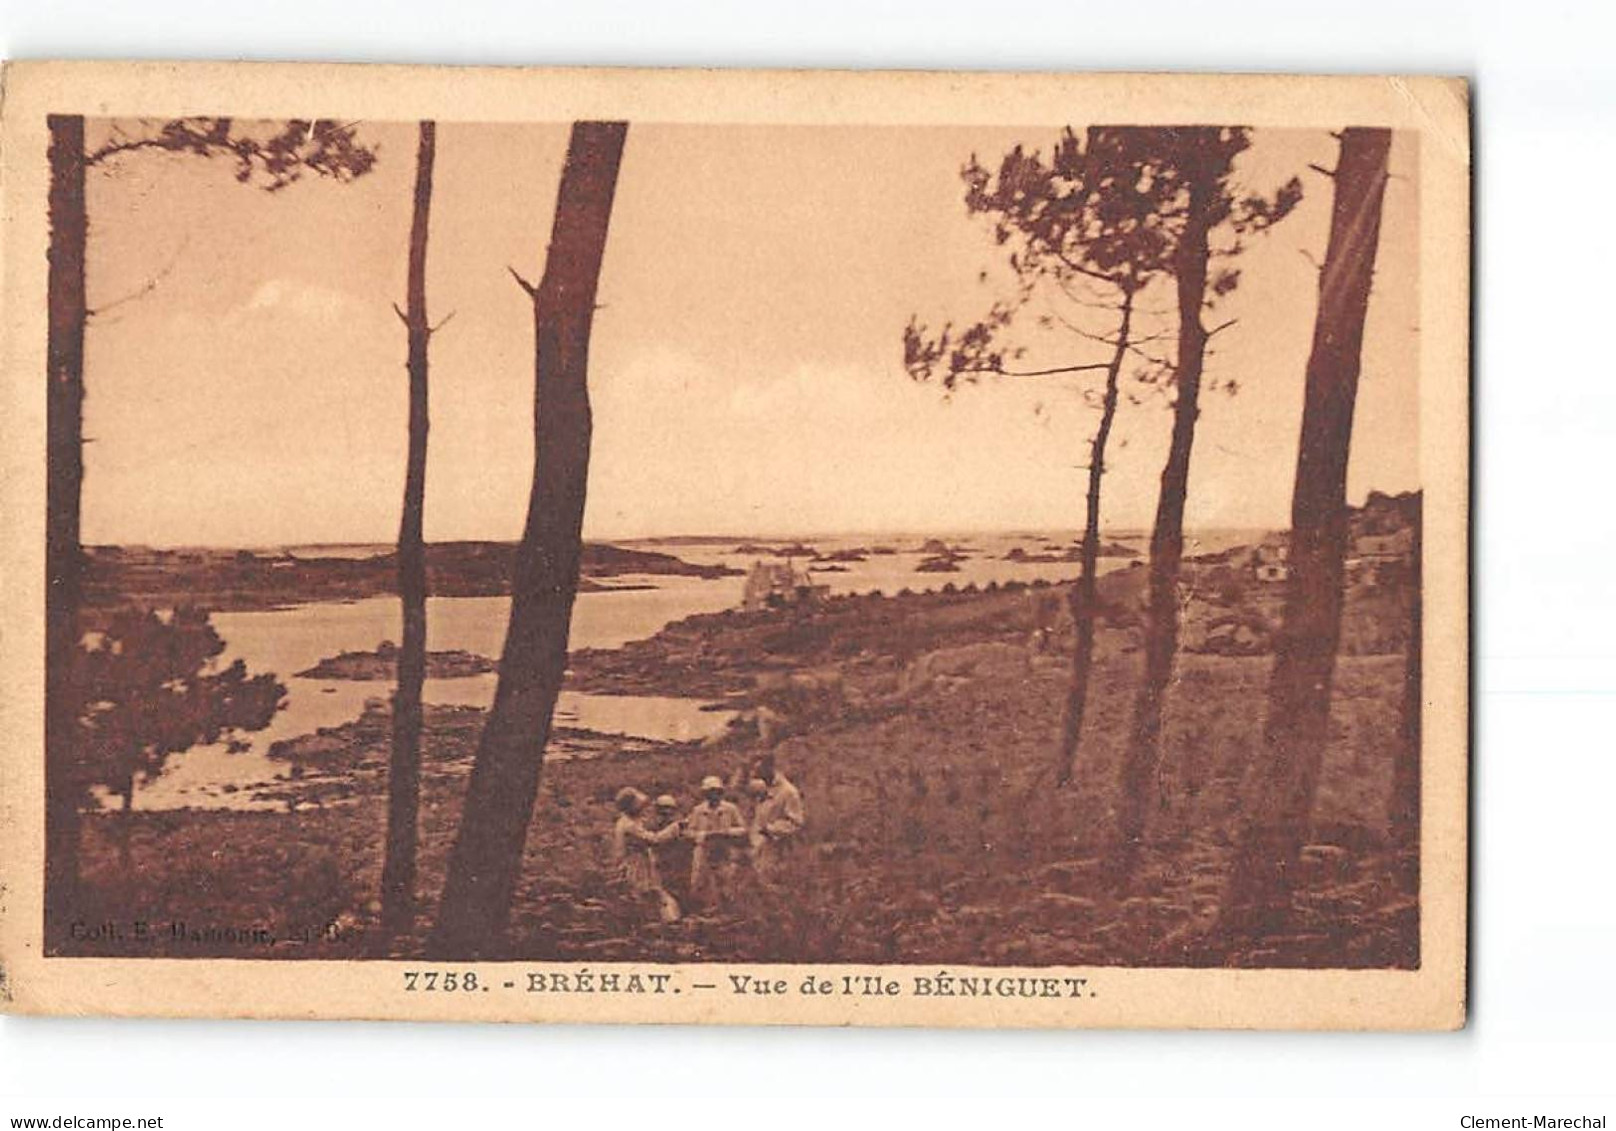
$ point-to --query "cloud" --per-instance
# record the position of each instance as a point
(293, 298)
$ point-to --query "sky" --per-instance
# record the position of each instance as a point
(246, 386)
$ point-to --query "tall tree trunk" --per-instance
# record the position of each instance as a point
(1143, 755)
(1085, 598)
(1281, 783)
(1404, 817)
(505, 777)
(64, 453)
(404, 769)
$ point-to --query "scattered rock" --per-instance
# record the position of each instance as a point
(382, 664)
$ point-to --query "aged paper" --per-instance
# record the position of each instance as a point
(743, 547)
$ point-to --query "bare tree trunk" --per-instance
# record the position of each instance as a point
(1143, 755)
(1281, 783)
(1085, 598)
(404, 769)
(1404, 817)
(505, 778)
(64, 453)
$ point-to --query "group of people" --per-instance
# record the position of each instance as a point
(725, 846)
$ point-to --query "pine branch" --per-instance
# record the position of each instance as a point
(532, 291)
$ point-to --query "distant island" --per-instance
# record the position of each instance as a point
(777, 550)
(237, 580)
(1072, 553)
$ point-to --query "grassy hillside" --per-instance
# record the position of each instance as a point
(933, 836)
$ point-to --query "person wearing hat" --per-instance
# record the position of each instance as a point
(634, 851)
(719, 833)
(664, 811)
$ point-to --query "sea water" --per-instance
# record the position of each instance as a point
(290, 640)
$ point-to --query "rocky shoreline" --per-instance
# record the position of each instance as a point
(347, 762)
(382, 664)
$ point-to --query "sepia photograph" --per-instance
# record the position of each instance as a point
(681, 540)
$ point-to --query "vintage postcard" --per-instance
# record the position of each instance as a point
(742, 547)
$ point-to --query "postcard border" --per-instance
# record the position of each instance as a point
(1432, 997)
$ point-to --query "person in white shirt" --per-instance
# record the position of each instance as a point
(719, 833)
(777, 818)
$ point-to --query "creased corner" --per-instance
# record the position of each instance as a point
(1443, 105)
